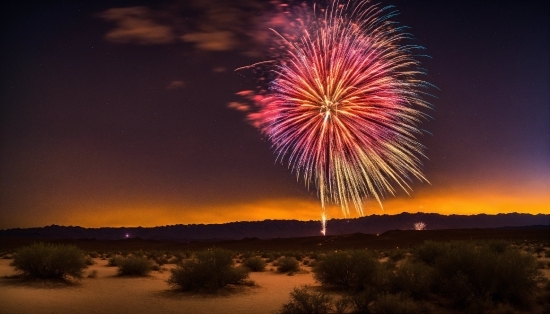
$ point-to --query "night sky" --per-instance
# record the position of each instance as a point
(116, 113)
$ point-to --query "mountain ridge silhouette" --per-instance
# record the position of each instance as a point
(267, 229)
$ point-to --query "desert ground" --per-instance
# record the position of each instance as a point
(107, 292)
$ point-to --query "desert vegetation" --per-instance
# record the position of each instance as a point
(50, 261)
(287, 264)
(254, 263)
(134, 265)
(209, 270)
(434, 277)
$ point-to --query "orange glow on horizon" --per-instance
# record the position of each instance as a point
(150, 215)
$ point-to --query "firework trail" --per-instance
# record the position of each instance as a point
(343, 104)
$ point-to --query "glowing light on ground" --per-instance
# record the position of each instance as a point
(419, 226)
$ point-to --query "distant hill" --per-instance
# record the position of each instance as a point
(268, 229)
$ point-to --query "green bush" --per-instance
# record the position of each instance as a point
(304, 302)
(335, 269)
(395, 304)
(114, 260)
(296, 254)
(516, 277)
(287, 264)
(210, 270)
(414, 279)
(269, 257)
(94, 254)
(498, 246)
(134, 266)
(179, 257)
(41, 260)
(254, 263)
(362, 301)
(396, 255)
(429, 251)
(88, 260)
(354, 270)
(158, 257)
(470, 274)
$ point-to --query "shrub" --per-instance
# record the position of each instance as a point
(41, 260)
(335, 269)
(395, 304)
(470, 274)
(114, 260)
(362, 301)
(396, 254)
(134, 266)
(304, 302)
(353, 270)
(93, 254)
(296, 254)
(516, 277)
(155, 267)
(179, 257)
(342, 305)
(430, 251)
(498, 246)
(254, 263)
(539, 249)
(158, 257)
(269, 257)
(287, 264)
(88, 260)
(92, 274)
(210, 270)
(414, 279)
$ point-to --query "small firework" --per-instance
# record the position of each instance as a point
(342, 105)
(419, 226)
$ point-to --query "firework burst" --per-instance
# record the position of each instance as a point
(343, 104)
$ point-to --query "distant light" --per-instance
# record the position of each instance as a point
(127, 235)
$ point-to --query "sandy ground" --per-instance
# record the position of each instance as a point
(111, 294)
(108, 293)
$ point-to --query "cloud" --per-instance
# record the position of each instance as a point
(136, 25)
(210, 25)
(213, 41)
(176, 85)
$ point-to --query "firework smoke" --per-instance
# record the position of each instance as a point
(343, 104)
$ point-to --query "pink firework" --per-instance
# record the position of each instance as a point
(343, 105)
